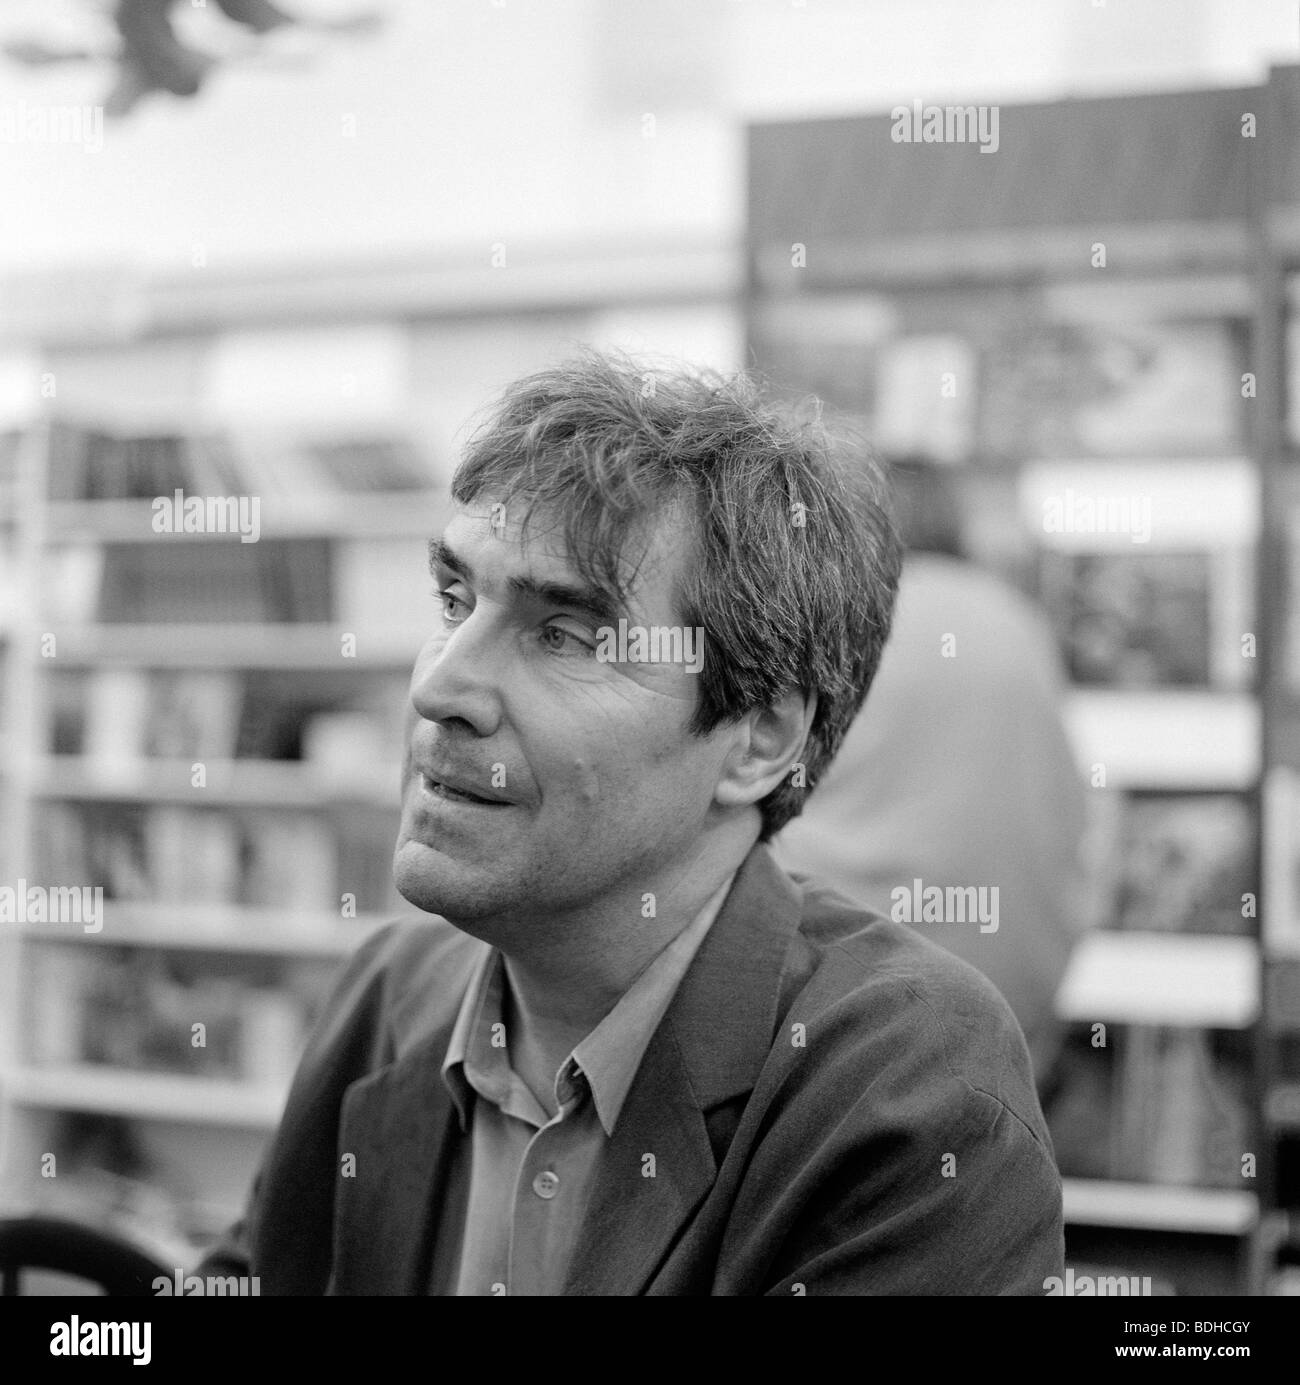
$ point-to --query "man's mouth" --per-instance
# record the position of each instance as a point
(452, 793)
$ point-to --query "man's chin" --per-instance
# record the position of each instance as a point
(438, 885)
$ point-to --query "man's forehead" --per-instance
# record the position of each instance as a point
(497, 529)
(494, 534)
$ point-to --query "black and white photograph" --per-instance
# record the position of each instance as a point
(649, 648)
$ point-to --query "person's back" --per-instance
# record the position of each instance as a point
(958, 773)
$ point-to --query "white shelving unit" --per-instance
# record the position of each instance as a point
(228, 783)
(225, 929)
(1143, 738)
(1172, 740)
(114, 1091)
(1151, 1207)
(1201, 982)
(36, 1097)
(272, 647)
(408, 514)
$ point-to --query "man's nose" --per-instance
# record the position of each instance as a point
(458, 676)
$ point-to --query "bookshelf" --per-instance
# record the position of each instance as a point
(218, 929)
(307, 648)
(110, 1091)
(1123, 337)
(1142, 737)
(301, 516)
(1205, 982)
(1204, 1211)
(229, 782)
(231, 786)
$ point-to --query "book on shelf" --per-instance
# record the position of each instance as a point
(193, 714)
(123, 717)
(340, 745)
(258, 858)
(160, 583)
(217, 581)
(927, 392)
(71, 579)
(1185, 863)
(9, 577)
(95, 845)
(283, 720)
(152, 1011)
(1291, 631)
(275, 466)
(89, 461)
(290, 863)
(1150, 619)
(11, 442)
(67, 467)
(273, 1025)
(118, 716)
(194, 855)
(214, 465)
(1280, 915)
(95, 463)
(370, 464)
(1183, 1116)
(56, 982)
(298, 581)
(1159, 1105)
(1059, 388)
(271, 721)
(63, 706)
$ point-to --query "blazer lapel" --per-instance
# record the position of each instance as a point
(653, 1173)
(402, 1125)
(709, 1048)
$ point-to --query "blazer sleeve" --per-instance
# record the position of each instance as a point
(902, 1152)
(285, 1235)
(965, 1202)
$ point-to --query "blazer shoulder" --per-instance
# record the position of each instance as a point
(896, 1113)
(883, 994)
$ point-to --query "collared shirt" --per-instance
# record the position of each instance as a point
(531, 1172)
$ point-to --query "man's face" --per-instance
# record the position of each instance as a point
(597, 788)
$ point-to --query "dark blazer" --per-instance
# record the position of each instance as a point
(834, 1104)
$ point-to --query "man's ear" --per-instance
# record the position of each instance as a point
(769, 742)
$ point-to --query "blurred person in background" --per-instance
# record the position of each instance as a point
(958, 771)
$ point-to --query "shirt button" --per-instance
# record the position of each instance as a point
(546, 1184)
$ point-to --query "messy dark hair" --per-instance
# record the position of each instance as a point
(795, 554)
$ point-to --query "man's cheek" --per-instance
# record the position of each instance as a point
(587, 782)
(658, 686)
(572, 784)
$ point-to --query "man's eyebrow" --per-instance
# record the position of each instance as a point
(577, 596)
(441, 554)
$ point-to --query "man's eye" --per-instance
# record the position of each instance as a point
(562, 640)
(453, 608)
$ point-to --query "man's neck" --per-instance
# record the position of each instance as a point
(559, 994)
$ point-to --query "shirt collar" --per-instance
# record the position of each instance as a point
(467, 1021)
(608, 1057)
